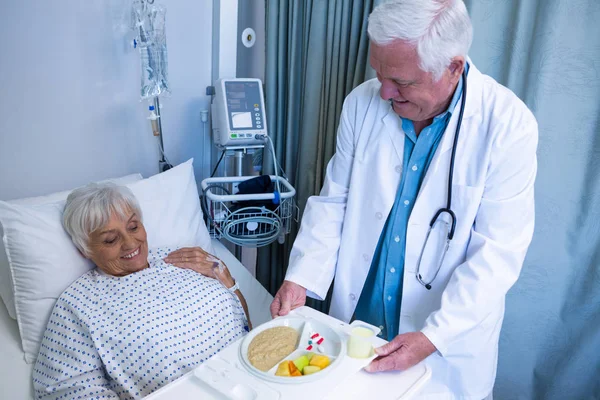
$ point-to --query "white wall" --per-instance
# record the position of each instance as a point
(251, 60)
(69, 99)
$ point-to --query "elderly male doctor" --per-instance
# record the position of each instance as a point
(391, 175)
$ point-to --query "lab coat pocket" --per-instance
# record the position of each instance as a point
(465, 204)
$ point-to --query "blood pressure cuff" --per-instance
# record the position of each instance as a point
(260, 184)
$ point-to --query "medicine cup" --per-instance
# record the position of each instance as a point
(359, 342)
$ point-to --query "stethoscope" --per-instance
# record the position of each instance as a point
(448, 209)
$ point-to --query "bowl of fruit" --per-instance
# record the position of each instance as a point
(292, 350)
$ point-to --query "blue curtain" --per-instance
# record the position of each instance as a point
(548, 53)
(317, 52)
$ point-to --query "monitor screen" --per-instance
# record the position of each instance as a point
(244, 105)
(241, 120)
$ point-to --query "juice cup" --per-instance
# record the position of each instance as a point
(359, 345)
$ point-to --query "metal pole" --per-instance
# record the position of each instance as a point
(239, 171)
(239, 163)
(162, 147)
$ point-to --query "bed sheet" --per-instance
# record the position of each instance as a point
(15, 373)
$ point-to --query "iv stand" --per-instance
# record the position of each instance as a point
(239, 168)
(163, 164)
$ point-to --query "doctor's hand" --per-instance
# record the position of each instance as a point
(289, 296)
(403, 352)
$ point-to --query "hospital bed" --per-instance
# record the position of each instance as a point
(15, 373)
(175, 213)
(178, 202)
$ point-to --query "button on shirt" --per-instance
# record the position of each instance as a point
(380, 301)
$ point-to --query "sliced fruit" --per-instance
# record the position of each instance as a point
(283, 369)
(301, 362)
(293, 370)
(311, 369)
(309, 355)
(319, 360)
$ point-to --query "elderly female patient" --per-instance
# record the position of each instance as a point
(138, 320)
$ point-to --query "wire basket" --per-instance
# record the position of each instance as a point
(249, 220)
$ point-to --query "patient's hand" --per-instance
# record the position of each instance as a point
(204, 263)
(198, 260)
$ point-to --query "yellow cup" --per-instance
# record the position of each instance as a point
(359, 345)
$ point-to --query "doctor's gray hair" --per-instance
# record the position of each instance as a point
(439, 29)
(90, 207)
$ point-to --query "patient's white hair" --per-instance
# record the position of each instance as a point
(439, 29)
(90, 207)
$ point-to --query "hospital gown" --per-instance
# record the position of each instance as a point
(124, 337)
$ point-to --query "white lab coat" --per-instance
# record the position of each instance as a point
(492, 197)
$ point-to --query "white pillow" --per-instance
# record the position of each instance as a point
(44, 261)
(171, 209)
(6, 280)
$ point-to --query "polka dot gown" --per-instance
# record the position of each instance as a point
(124, 337)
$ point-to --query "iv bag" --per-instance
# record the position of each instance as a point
(149, 24)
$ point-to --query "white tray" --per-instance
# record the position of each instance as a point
(226, 377)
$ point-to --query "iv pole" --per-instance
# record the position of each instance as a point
(163, 164)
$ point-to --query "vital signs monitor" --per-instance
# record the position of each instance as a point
(238, 112)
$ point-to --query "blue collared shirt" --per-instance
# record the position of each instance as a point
(380, 301)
